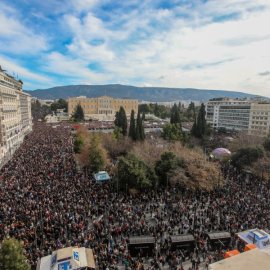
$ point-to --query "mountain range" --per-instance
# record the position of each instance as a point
(151, 94)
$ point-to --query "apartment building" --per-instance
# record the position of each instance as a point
(15, 114)
(101, 108)
(252, 116)
(259, 121)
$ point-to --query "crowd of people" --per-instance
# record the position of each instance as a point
(48, 204)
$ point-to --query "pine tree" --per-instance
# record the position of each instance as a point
(199, 127)
(138, 120)
(142, 133)
(132, 126)
(176, 118)
(143, 116)
(121, 120)
(116, 120)
(78, 114)
(194, 127)
(11, 256)
(175, 115)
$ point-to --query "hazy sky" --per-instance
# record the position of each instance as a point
(216, 44)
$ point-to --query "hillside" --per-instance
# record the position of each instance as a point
(153, 94)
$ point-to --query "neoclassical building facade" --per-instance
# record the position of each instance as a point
(102, 108)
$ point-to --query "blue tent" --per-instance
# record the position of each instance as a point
(102, 176)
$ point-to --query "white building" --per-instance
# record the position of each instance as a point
(15, 115)
(68, 258)
(252, 116)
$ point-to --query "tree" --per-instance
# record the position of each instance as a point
(116, 146)
(246, 156)
(11, 256)
(78, 143)
(117, 133)
(191, 111)
(138, 120)
(166, 165)
(97, 154)
(39, 111)
(121, 120)
(134, 173)
(175, 115)
(172, 132)
(141, 130)
(158, 110)
(199, 128)
(59, 104)
(78, 114)
(140, 134)
(143, 116)
(132, 126)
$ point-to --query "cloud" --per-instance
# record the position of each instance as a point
(72, 69)
(208, 64)
(204, 44)
(15, 37)
(265, 73)
(243, 40)
(26, 75)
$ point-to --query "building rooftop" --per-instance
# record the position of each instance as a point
(68, 258)
(249, 260)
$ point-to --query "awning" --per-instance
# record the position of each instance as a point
(231, 253)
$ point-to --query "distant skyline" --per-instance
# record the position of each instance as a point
(217, 44)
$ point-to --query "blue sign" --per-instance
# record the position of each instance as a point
(65, 266)
(76, 256)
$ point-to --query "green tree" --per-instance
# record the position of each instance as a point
(121, 120)
(191, 111)
(96, 154)
(140, 134)
(117, 133)
(172, 132)
(11, 256)
(78, 114)
(39, 111)
(135, 173)
(199, 128)
(166, 165)
(78, 143)
(59, 104)
(143, 116)
(246, 156)
(145, 108)
(138, 120)
(153, 108)
(175, 115)
(132, 126)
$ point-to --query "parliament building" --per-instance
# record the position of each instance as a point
(101, 108)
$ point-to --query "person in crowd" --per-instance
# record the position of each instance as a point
(48, 204)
